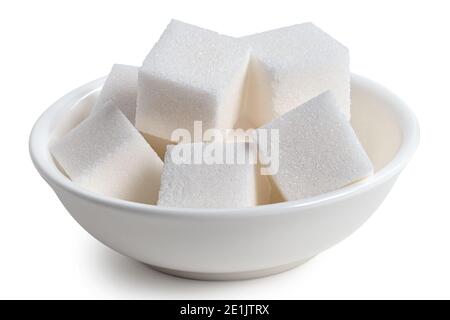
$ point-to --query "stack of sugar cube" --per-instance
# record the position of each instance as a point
(290, 84)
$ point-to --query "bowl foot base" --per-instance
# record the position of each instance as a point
(229, 276)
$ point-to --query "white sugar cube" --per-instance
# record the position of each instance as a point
(318, 150)
(207, 185)
(107, 155)
(120, 91)
(191, 74)
(291, 65)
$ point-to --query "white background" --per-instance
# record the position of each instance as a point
(47, 48)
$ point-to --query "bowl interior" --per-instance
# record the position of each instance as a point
(375, 121)
(386, 127)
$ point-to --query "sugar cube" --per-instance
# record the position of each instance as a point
(291, 65)
(191, 74)
(318, 150)
(120, 91)
(107, 155)
(205, 184)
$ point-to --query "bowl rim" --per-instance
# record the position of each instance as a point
(42, 129)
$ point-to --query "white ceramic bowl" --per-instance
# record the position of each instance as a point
(235, 243)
